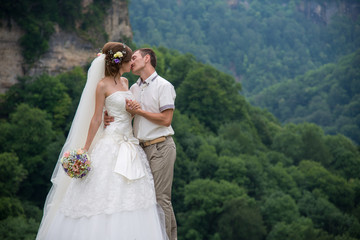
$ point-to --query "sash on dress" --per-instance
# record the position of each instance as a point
(128, 163)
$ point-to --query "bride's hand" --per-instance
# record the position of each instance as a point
(132, 106)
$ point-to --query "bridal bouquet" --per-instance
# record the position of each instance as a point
(76, 163)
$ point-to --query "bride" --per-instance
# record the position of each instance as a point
(116, 200)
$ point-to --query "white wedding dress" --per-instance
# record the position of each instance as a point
(116, 200)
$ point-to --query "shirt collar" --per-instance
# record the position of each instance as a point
(147, 81)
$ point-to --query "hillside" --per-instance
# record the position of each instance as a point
(328, 96)
(259, 42)
(264, 44)
(239, 174)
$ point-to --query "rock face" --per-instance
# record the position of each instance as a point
(66, 49)
(117, 23)
(323, 11)
(10, 51)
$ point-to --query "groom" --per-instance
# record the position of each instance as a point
(152, 126)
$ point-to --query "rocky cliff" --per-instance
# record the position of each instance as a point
(66, 49)
(323, 11)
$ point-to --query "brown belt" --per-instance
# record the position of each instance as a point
(151, 142)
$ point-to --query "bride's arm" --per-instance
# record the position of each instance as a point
(97, 117)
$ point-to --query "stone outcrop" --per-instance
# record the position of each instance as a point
(323, 11)
(10, 51)
(66, 49)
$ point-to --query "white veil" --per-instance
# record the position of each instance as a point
(76, 139)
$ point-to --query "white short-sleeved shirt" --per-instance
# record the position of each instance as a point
(155, 95)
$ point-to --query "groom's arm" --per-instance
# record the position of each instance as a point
(163, 118)
(107, 119)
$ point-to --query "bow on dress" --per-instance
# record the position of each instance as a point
(128, 162)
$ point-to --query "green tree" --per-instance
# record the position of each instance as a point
(241, 220)
(279, 207)
(207, 92)
(345, 156)
(327, 216)
(204, 200)
(49, 94)
(231, 169)
(30, 135)
(12, 173)
(18, 228)
(207, 161)
(336, 188)
(300, 229)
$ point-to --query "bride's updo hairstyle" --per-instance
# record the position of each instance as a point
(116, 53)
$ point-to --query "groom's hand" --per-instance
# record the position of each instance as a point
(107, 119)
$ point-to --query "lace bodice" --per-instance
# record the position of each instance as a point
(115, 105)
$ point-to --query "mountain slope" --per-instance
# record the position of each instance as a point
(328, 96)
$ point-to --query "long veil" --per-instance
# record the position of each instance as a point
(76, 139)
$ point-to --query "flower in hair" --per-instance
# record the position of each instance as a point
(99, 53)
(117, 57)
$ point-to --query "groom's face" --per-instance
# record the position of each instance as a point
(137, 63)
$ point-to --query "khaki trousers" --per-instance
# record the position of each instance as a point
(161, 157)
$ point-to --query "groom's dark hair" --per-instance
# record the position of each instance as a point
(146, 51)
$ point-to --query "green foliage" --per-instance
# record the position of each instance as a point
(327, 96)
(10, 207)
(18, 228)
(345, 156)
(301, 229)
(204, 201)
(50, 95)
(212, 95)
(239, 174)
(11, 174)
(231, 169)
(207, 161)
(74, 82)
(260, 42)
(239, 138)
(279, 207)
(30, 134)
(333, 186)
(303, 141)
(241, 220)
(281, 180)
(326, 216)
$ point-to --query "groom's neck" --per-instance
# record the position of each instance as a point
(146, 73)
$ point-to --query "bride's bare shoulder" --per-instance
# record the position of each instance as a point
(103, 84)
(125, 81)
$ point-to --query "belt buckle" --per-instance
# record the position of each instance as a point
(142, 144)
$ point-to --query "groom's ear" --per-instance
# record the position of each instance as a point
(147, 58)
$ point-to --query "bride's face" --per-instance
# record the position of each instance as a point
(126, 66)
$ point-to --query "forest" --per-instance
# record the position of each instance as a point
(266, 149)
(239, 173)
(266, 45)
(328, 96)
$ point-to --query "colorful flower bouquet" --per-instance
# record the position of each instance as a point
(76, 163)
